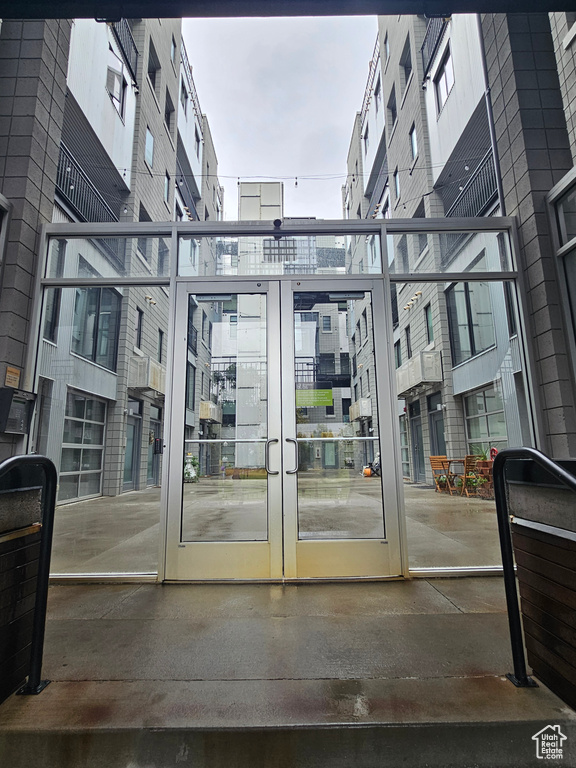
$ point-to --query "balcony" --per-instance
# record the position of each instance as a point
(79, 192)
(210, 412)
(479, 192)
(432, 39)
(147, 373)
(422, 369)
(123, 35)
(361, 409)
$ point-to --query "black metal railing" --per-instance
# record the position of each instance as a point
(79, 192)
(186, 192)
(479, 191)
(30, 472)
(191, 87)
(123, 35)
(432, 39)
(519, 677)
(192, 339)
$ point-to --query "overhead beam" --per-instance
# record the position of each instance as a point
(130, 9)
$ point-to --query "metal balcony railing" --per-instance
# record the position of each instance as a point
(186, 192)
(191, 87)
(123, 35)
(432, 38)
(479, 192)
(79, 192)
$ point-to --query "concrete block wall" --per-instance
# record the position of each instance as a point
(534, 153)
(33, 64)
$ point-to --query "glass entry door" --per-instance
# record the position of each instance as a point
(281, 395)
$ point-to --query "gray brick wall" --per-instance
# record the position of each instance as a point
(534, 154)
(33, 64)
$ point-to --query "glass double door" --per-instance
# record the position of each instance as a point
(282, 432)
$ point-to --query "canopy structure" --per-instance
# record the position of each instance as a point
(115, 9)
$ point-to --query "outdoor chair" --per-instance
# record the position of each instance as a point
(469, 477)
(443, 478)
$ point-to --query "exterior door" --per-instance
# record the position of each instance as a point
(281, 392)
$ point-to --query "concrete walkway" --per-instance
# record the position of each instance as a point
(371, 674)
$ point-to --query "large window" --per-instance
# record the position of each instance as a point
(470, 320)
(444, 80)
(96, 325)
(485, 421)
(82, 447)
(116, 82)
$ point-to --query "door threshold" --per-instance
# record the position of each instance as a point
(296, 580)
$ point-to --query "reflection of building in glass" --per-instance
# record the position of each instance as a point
(459, 370)
(102, 367)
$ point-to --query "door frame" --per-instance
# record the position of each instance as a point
(288, 557)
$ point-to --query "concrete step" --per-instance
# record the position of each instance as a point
(476, 722)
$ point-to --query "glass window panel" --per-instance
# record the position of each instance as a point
(494, 400)
(95, 410)
(72, 431)
(70, 459)
(109, 257)
(67, 489)
(481, 316)
(224, 475)
(91, 459)
(90, 484)
(83, 429)
(449, 252)
(93, 434)
(258, 255)
(497, 425)
(566, 211)
(458, 322)
(477, 427)
(474, 404)
(336, 499)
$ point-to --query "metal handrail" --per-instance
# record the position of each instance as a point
(520, 677)
(21, 466)
(431, 42)
(125, 40)
(478, 192)
(191, 87)
(75, 186)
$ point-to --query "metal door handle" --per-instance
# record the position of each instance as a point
(266, 457)
(293, 471)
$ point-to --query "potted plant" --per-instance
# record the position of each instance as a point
(191, 469)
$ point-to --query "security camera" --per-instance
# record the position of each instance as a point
(277, 223)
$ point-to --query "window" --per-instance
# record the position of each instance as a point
(378, 96)
(183, 95)
(397, 183)
(149, 148)
(405, 66)
(190, 386)
(160, 354)
(429, 326)
(96, 325)
(366, 140)
(392, 110)
(138, 328)
(326, 323)
(169, 113)
(116, 82)
(82, 447)
(173, 51)
(566, 214)
(386, 48)
(154, 69)
(326, 364)
(485, 420)
(52, 296)
(144, 243)
(197, 142)
(397, 354)
(167, 188)
(444, 80)
(413, 143)
(470, 320)
(408, 342)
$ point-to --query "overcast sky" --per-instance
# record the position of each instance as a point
(281, 96)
